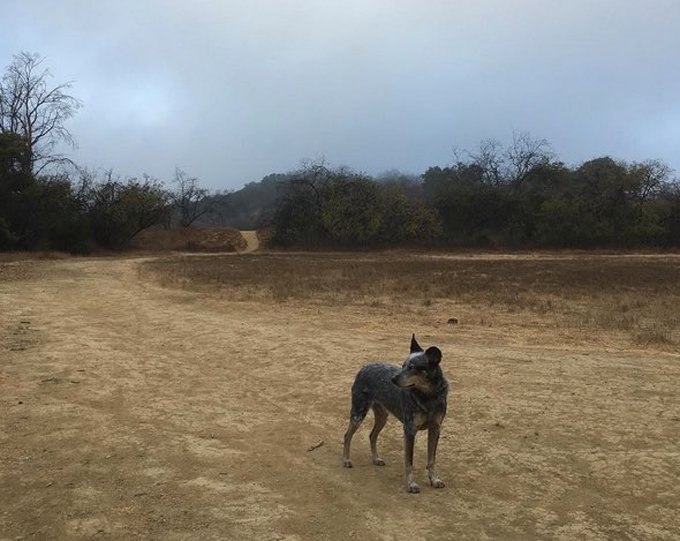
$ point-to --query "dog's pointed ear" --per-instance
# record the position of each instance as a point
(415, 347)
(434, 355)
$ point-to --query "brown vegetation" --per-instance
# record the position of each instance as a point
(189, 239)
(635, 295)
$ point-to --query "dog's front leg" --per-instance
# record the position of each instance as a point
(409, 443)
(432, 440)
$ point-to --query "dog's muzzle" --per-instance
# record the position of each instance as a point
(398, 381)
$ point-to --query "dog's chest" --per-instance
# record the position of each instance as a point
(423, 420)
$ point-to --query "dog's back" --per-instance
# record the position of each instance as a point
(372, 384)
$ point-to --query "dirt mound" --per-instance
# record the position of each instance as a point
(191, 239)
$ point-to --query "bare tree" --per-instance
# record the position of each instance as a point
(524, 154)
(489, 158)
(510, 165)
(36, 111)
(188, 198)
(651, 177)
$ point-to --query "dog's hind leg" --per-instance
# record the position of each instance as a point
(380, 420)
(354, 423)
(361, 403)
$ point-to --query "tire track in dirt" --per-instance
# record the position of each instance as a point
(148, 405)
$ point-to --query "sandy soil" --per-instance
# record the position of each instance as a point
(129, 411)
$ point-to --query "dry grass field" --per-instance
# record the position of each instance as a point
(205, 396)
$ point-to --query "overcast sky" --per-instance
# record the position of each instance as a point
(233, 90)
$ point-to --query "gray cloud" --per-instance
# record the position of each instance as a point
(231, 91)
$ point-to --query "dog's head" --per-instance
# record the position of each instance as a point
(420, 369)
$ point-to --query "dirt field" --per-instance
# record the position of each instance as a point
(135, 404)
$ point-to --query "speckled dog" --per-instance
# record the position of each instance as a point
(415, 394)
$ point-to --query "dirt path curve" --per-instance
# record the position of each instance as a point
(252, 240)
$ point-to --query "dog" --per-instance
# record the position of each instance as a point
(415, 394)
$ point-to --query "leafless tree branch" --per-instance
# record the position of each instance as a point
(36, 112)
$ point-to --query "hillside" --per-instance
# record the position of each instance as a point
(251, 207)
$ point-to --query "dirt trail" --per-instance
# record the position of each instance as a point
(252, 240)
(135, 412)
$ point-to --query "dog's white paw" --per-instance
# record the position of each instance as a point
(378, 461)
(413, 488)
(437, 483)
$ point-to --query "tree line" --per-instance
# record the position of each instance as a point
(518, 195)
(86, 211)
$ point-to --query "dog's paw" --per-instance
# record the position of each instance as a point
(347, 463)
(413, 488)
(378, 461)
(437, 483)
